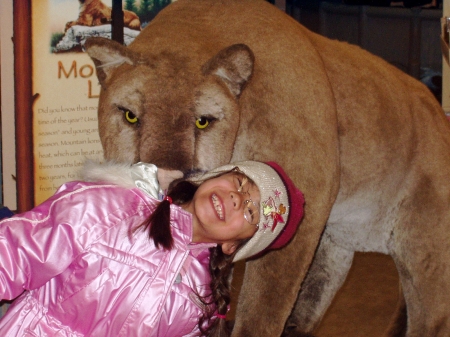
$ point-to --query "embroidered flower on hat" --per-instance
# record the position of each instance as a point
(272, 212)
(277, 193)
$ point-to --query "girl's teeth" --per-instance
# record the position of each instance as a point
(217, 206)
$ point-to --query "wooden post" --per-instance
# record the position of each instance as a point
(117, 21)
(23, 105)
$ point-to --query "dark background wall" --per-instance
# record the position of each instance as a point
(408, 38)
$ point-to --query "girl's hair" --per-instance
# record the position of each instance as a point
(220, 267)
(158, 224)
(220, 264)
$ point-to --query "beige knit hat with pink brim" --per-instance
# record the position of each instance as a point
(281, 205)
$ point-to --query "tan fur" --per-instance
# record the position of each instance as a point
(368, 145)
(96, 13)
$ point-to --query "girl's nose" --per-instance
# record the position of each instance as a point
(237, 199)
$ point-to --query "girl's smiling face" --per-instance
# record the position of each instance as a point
(223, 210)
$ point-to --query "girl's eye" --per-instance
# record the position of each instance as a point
(239, 183)
(251, 212)
(248, 215)
(202, 122)
(131, 117)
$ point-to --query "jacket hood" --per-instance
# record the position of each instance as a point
(140, 175)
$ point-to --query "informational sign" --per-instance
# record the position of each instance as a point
(65, 129)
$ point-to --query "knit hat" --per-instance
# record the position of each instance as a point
(281, 205)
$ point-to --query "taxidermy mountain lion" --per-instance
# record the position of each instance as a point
(208, 82)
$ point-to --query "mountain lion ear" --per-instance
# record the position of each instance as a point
(107, 56)
(234, 65)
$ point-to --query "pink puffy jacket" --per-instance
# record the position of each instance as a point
(80, 270)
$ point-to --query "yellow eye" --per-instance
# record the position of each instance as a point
(201, 122)
(131, 117)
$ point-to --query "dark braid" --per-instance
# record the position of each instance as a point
(220, 268)
(158, 224)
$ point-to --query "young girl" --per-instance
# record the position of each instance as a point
(107, 258)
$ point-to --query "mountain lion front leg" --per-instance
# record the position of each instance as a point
(326, 275)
